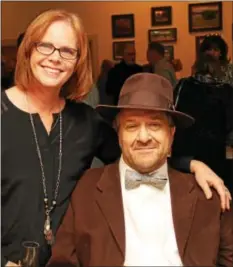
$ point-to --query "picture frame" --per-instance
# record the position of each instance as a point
(169, 52)
(123, 26)
(161, 16)
(205, 17)
(118, 48)
(162, 35)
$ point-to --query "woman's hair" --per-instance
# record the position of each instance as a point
(213, 42)
(208, 65)
(80, 82)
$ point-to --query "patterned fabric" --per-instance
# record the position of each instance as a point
(228, 77)
(134, 179)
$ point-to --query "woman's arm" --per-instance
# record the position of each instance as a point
(205, 178)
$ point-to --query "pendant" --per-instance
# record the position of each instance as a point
(48, 231)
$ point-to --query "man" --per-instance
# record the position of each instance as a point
(122, 71)
(158, 64)
(139, 211)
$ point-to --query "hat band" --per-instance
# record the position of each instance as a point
(145, 98)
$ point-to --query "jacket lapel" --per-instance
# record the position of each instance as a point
(183, 201)
(109, 200)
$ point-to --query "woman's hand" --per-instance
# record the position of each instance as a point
(206, 179)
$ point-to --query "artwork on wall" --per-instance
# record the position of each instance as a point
(161, 16)
(118, 48)
(205, 17)
(123, 26)
(162, 35)
(169, 52)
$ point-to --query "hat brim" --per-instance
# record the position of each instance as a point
(180, 119)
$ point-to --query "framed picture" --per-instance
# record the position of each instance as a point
(169, 52)
(161, 16)
(205, 17)
(123, 26)
(118, 49)
(162, 35)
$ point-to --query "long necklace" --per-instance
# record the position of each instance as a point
(47, 225)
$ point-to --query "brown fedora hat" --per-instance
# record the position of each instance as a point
(146, 91)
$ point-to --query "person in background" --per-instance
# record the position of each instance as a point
(149, 67)
(121, 71)
(139, 211)
(216, 46)
(8, 68)
(158, 64)
(92, 99)
(106, 66)
(210, 102)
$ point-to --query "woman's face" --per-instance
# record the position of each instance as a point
(52, 71)
(214, 52)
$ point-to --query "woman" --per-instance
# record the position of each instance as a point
(48, 140)
(215, 46)
(210, 103)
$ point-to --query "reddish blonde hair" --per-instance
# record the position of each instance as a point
(80, 82)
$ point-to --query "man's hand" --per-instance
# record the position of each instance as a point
(12, 264)
(206, 178)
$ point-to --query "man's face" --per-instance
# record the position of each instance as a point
(152, 56)
(145, 138)
(129, 54)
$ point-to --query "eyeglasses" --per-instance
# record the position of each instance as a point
(64, 52)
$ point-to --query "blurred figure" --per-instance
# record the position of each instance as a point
(158, 64)
(8, 68)
(92, 98)
(210, 103)
(106, 66)
(216, 46)
(120, 72)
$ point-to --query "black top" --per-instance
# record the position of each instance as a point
(118, 75)
(211, 104)
(85, 135)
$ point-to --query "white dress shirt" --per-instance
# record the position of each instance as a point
(149, 229)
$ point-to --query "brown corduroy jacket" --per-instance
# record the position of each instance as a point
(93, 230)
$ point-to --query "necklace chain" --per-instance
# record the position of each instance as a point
(53, 203)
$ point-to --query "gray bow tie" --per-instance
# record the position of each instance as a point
(134, 179)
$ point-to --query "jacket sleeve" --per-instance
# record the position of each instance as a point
(225, 256)
(63, 251)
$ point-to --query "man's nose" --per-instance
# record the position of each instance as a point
(143, 135)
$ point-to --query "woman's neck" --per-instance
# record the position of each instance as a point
(44, 100)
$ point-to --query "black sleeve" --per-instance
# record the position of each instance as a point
(112, 83)
(107, 149)
(3, 261)
(181, 163)
(229, 115)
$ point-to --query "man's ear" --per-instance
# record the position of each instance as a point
(173, 129)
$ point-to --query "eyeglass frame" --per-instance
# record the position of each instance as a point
(56, 49)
